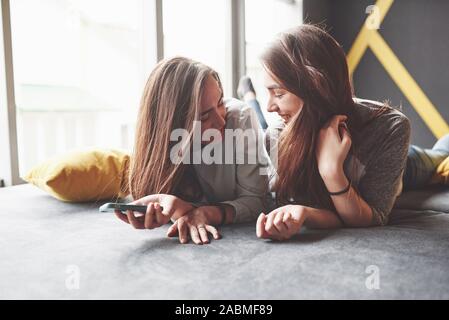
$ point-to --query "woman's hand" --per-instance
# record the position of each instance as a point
(194, 225)
(160, 209)
(331, 149)
(281, 223)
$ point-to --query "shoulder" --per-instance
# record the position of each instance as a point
(240, 115)
(273, 132)
(382, 140)
(391, 122)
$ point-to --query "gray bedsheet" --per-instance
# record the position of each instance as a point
(45, 244)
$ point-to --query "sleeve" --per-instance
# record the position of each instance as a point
(271, 141)
(251, 192)
(272, 135)
(382, 182)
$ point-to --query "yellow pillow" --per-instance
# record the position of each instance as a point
(441, 175)
(86, 175)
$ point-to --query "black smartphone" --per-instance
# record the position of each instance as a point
(111, 207)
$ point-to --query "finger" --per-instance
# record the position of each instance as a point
(279, 224)
(121, 216)
(343, 125)
(287, 216)
(173, 230)
(168, 209)
(133, 220)
(346, 137)
(194, 235)
(260, 226)
(269, 225)
(335, 121)
(213, 231)
(203, 234)
(182, 230)
(149, 216)
(161, 218)
(293, 226)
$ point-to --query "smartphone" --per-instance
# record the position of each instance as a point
(111, 207)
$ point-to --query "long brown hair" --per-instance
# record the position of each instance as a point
(309, 63)
(171, 100)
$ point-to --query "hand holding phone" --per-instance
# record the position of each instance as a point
(123, 207)
(150, 216)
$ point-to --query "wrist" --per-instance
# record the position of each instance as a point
(225, 214)
(182, 208)
(211, 214)
(336, 182)
(303, 213)
(230, 213)
(185, 205)
(331, 172)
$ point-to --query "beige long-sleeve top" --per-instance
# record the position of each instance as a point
(242, 183)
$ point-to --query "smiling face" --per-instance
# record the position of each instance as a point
(285, 103)
(212, 111)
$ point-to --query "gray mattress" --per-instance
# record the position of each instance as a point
(45, 244)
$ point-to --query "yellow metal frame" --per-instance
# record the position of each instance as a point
(371, 38)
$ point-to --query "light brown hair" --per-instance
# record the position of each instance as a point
(171, 100)
(309, 63)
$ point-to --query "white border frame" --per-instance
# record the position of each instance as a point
(9, 166)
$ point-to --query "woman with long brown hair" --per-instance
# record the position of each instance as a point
(186, 96)
(341, 160)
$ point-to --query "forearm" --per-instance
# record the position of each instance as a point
(350, 206)
(321, 219)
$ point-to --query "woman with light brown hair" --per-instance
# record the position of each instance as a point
(342, 160)
(186, 96)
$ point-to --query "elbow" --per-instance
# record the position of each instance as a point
(367, 217)
(360, 221)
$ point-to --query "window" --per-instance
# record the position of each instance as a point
(263, 20)
(80, 65)
(196, 29)
(78, 68)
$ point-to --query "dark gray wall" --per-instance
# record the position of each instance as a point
(418, 33)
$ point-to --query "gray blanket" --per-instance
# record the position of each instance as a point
(54, 250)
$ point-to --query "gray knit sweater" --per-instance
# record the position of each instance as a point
(377, 168)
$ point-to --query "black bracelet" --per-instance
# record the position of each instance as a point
(342, 191)
(223, 213)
